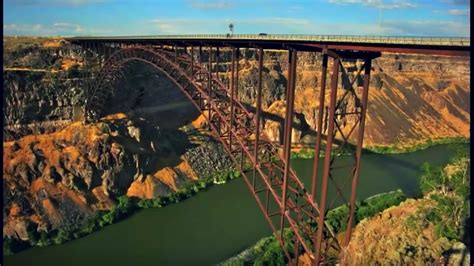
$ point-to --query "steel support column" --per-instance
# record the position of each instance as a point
(192, 62)
(175, 53)
(200, 55)
(84, 86)
(257, 114)
(209, 82)
(217, 63)
(237, 58)
(288, 128)
(360, 139)
(317, 148)
(231, 99)
(327, 160)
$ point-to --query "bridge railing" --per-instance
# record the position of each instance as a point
(449, 41)
(407, 40)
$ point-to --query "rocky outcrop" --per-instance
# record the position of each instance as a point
(62, 179)
(208, 158)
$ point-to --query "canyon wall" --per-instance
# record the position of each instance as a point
(412, 98)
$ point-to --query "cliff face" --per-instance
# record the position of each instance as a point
(412, 98)
(42, 87)
(58, 174)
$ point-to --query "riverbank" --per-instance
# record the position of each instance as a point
(125, 207)
(308, 153)
(267, 251)
(399, 148)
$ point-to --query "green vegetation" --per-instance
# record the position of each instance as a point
(189, 190)
(421, 146)
(448, 189)
(267, 251)
(306, 153)
(420, 231)
(337, 218)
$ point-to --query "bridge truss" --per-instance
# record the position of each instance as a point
(295, 211)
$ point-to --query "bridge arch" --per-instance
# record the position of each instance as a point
(111, 72)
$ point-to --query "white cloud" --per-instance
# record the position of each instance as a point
(426, 28)
(211, 5)
(68, 26)
(463, 12)
(58, 28)
(304, 26)
(55, 2)
(457, 2)
(395, 4)
(203, 26)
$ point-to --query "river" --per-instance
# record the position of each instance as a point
(217, 223)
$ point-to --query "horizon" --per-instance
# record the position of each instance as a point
(68, 18)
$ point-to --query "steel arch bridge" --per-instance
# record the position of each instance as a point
(295, 212)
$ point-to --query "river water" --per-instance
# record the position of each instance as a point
(217, 223)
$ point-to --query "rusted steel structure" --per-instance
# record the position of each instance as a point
(294, 210)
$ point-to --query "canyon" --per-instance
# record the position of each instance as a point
(59, 172)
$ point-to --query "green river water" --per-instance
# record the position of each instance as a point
(217, 223)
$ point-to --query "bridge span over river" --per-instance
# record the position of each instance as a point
(192, 63)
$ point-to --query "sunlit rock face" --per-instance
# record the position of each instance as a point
(412, 98)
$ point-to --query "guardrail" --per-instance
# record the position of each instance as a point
(444, 41)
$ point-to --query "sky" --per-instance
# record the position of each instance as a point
(437, 18)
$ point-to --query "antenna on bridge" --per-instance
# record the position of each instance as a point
(231, 28)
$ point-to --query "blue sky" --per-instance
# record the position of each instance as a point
(153, 17)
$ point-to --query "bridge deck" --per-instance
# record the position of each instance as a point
(431, 41)
(418, 45)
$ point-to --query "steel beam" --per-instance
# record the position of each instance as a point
(292, 54)
(327, 160)
(231, 99)
(258, 113)
(192, 62)
(200, 54)
(237, 58)
(360, 139)
(217, 63)
(176, 53)
(209, 82)
(317, 148)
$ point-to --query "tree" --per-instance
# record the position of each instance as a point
(231, 28)
(431, 178)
